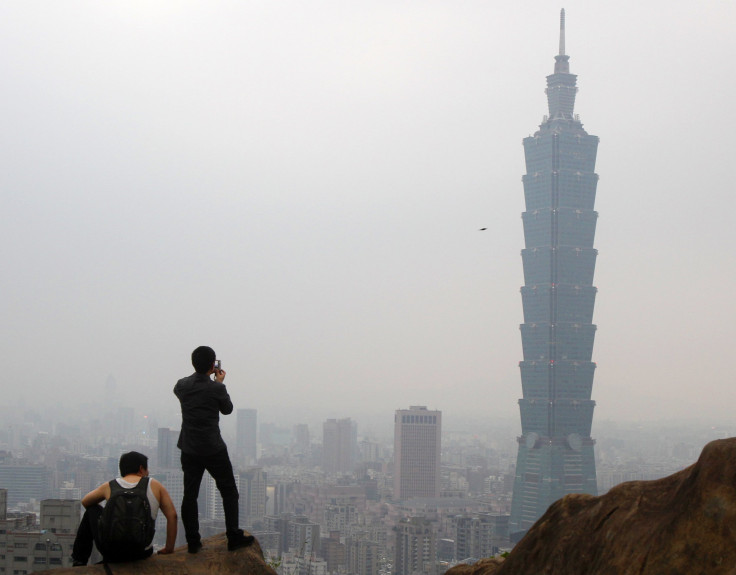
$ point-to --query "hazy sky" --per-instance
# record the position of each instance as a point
(300, 185)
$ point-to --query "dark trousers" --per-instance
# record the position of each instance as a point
(219, 467)
(88, 533)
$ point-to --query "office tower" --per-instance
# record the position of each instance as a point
(210, 506)
(25, 481)
(245, 436)
(417, 448)
(555, 454)
(168, 454)
(301, 441)
(339, 445)
(253, 497)
(416, 547)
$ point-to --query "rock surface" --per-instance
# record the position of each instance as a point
(681, 524)
(213, 559)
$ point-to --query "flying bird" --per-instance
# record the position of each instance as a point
(482, 229)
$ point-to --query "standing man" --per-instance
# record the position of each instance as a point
(202, 448)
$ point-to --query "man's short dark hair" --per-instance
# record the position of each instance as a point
(131, 462)
(203, 358)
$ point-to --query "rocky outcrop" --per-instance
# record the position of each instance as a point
(682, 524)
(213, 559)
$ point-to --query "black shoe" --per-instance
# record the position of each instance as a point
(194, 547)
(76, 563)
(239, 541)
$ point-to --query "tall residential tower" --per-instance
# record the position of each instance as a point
(555, 454)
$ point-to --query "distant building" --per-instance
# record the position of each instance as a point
(301, 447)
(246, 445)
(480, 535)
(333, 551)
(363, 557)
(555, 453)
(61, 515)
(252, 496)
(339, 445)
(417, 447)
(24, 481)
(26, 547)
(168, 455)
(416, 547)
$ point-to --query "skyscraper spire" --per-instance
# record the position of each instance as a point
(562, 32)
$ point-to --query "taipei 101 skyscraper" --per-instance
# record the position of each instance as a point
(555, 454)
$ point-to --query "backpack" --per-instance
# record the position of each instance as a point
(126, 527)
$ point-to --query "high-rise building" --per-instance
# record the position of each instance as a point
(480, 535)
(246, 436)
(339, 445)
(363, 557)
(24, 481)
(555, 454)
(416, 547)
(417, 447)
(167, 453)
(300, 448)
(253, 496)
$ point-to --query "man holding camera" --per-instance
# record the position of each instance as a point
(202, 448)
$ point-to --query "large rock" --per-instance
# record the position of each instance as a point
(213, 559)
(682, 524)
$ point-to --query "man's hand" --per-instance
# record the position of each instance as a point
(220, 375)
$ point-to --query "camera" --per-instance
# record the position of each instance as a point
(218, 365)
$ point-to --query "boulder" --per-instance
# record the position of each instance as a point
(213, 558)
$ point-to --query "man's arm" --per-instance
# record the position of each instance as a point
(223, 399)
(96, 496)
(166, 505)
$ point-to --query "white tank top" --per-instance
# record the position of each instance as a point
(152, 501)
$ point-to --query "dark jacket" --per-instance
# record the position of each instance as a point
(202, 400)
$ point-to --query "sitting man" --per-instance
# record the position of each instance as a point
(111, 529)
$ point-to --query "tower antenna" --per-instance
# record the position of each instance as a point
(562, 32)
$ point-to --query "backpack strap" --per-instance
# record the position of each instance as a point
(115, 487)
(142, 485)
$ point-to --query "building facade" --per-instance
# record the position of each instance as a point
(417, 447)
(167, 453)
(555, 453)
(339, 445)
(27, 547)
(416, 547)
(246, 428)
